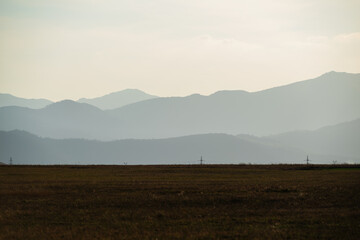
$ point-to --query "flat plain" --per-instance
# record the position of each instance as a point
(180, 202)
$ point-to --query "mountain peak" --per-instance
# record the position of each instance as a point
(10, 100)
(333, 74)
(195, 95)
(229, 92)
(70, 105)
(118, 99)
(131, 90)
(65, 102)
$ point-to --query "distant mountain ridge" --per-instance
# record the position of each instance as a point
(327, 100)
(10, 100)
(118, 99)
(25, 148)
(341, 139)
(65, 119)
(106, 102)
(338, 143)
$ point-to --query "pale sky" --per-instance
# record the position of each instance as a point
(68, 49)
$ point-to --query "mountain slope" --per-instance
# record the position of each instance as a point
(332, 98)
(25, 148)
(334, 143)
(65, 119)
(118, 99)
(10, 100)
(341, 139)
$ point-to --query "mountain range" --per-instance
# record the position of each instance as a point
(106, 102)
(324, 145)
(10, 100)
(318, 117)
(342, 139)
(330, 99)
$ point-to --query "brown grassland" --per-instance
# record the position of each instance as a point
(180, 202)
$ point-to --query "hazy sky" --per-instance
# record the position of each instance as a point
(61, 49)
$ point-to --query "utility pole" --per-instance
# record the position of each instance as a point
(201, 161)
(11, 161)
(307, 160)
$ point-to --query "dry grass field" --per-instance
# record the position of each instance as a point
(180, 202)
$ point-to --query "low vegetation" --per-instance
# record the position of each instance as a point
(180, 202)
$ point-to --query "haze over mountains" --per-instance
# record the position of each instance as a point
(329, 99)
(334, 143)
(332, 98)
(106, 102)
(118, 99)
(319, 117)
(10, 100)
(341, 139)
(215, 148)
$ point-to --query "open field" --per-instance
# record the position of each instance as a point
(180, 202)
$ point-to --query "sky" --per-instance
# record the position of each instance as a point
(69, 49)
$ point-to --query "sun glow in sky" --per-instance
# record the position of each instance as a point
(67, 49)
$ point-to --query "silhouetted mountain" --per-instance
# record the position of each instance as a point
(342, 139)
(25, 148)
(330, 99)
(10, 100)
(65, 119)
(118, 99)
